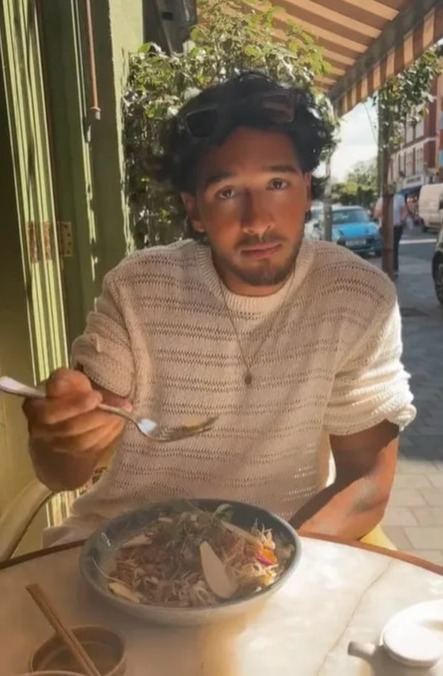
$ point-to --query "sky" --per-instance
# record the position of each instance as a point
(358, 140)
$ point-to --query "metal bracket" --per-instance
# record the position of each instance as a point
(65, 238)
(33, 247)
(47, 240)
(39, 241)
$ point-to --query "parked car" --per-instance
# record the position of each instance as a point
(352, 227)
(430, 206)
(437, 267)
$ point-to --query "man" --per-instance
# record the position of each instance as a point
(291, 343)
(399, 216)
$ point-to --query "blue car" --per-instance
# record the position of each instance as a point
(353, 229)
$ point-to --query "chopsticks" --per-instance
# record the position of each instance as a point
(64, 633)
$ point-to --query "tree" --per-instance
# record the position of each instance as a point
(353, 192)
(364, 174)
(402, 99)
(229, 38)
(360, 186)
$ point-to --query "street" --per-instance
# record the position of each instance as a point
(414, 520)
(419, 246)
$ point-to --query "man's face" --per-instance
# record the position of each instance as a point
(251, 200)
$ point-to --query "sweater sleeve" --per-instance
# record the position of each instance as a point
(372, 385)
(104, 350)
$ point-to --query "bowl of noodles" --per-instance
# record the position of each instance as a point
(149, 562)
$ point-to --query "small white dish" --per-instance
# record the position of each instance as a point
(414, 637)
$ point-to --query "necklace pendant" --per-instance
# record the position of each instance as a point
(248, 378)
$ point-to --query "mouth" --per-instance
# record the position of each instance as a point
(259, 251)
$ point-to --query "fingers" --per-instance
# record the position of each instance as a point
(66, 382)
(46, 412)
(68, 420)
(78, 425)
(92, 441)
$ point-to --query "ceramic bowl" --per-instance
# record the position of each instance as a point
(105, 647)
(98, 556)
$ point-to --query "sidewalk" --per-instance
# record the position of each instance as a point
(414, 519)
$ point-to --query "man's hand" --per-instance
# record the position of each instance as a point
(68, 434)
(355, 503)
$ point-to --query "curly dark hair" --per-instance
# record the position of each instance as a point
(309, 131)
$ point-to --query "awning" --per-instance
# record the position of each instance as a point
(364, 41)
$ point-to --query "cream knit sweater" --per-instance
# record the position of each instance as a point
(160, 334)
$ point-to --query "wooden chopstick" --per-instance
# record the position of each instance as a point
(64, 633)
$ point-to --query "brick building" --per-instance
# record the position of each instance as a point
(420, 159)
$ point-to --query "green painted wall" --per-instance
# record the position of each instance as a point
(118, 26)
(87, 154)
(15, 345)
(70, 155)
(74, 171)
(32, 335)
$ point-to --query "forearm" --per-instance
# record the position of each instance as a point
(349, 511)
(61, 471)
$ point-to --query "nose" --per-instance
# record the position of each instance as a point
(255, 217)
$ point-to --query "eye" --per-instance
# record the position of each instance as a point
(226, 194)
(277, 184)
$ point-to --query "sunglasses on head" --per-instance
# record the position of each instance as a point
(278, 107)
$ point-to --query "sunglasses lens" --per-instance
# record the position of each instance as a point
(279, 107)
(202, 123)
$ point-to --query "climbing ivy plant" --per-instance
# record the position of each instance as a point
(229, 38)
(404, 100)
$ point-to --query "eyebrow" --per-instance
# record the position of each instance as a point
(213, 179)
(216, 178)
(283, 169)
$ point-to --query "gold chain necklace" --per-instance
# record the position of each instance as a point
(249, 362)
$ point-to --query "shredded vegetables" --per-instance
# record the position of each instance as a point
(162, 565)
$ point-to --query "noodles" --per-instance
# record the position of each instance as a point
(162, 566)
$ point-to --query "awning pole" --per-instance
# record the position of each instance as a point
(327, 217)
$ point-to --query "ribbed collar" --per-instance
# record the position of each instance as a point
(253, 304)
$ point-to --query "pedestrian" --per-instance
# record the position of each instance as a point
(412, 218)
(295, 345)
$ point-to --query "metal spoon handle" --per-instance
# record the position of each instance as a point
(14, 387)
(117, 411)
(21, 390)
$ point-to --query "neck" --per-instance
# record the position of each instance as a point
(242, 288)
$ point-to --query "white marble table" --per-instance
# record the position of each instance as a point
(337, 595)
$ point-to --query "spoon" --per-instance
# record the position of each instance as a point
(220, 582)
(149, 428)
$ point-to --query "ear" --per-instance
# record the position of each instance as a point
(192, 211)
